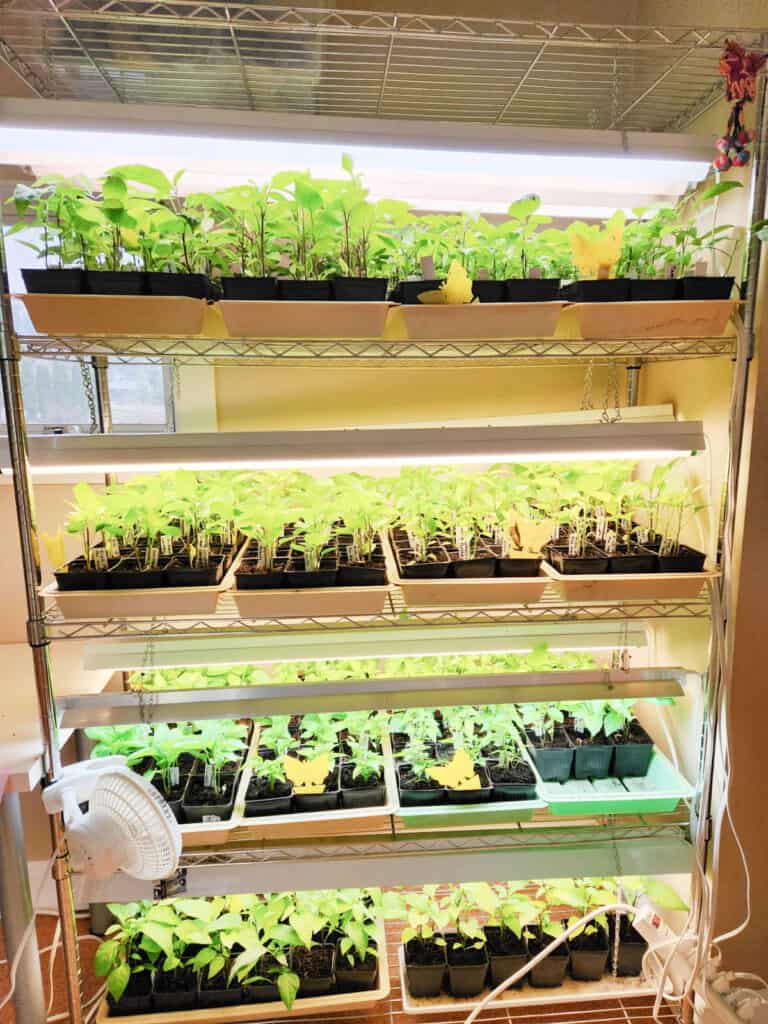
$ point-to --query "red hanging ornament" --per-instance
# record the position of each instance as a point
(739, 68)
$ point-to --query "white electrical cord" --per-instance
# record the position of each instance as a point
(25, 937)
(567, 932)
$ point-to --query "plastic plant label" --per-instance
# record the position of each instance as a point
(307, 776)
(459, 773)
(534, 273)
(578, 725)
(285, 260)
(428, 268)
(700, 268)
(100, 558)
(154, 557)
(603, 271)
(54, 546)
(166, 545)
(128, 536)
(610, 542)
(226, 534)
(211, 819)
(208, 776)
(482, 274)
(175, 775)
(600, 524)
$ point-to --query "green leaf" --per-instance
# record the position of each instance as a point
(719, 188)
(203, 910)
(288, 987)
(192, 932)
(117, 982)
(141, 174)
(347, 163)
(161, 934)
(663, 895)
(104, 957)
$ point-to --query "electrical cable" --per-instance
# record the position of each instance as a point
(26, 936)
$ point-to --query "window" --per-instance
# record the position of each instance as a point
(63, 393)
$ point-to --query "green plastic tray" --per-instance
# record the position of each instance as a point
(660, 791)
(451, 815)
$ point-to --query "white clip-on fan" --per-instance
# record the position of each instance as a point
(128, 825)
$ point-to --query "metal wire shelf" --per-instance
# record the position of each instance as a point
(227, 621)
(309, 59)
(371, 352)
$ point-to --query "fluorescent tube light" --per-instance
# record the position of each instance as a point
(332, 645)
(359, 448)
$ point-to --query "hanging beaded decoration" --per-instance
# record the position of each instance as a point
(739, 68)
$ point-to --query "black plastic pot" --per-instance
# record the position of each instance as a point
(304, 291)
(261, 992)
(408, 292)
(474, 568)
(327, 801)
(490, 291)
(249, 288)
(359, 289)
(123, 577)
(551, 971)
(193, 286)
(502, 790)
(425, 570)
(218, 811)
(472, 796)
(576, 565)
(179, 575)
(706, 287)
(361, 575)
(506, 956)
(661, 289)
(357, 977)
(518, 566)
(66, 281)
(555, 763)
(533, 289)
(613, 289)
(259, 579)
(632, 947)
(417, 797)
(632, 760)
(686, 560)
(589, 963)
(210, 997)
(467, 969)
(316, 985)
(638, 560)
(591, 760)
(173, 801)
(361, 796)
(174, 990)
(74, 576)
(115, 282)
(425, 981)
(322, 577)
(137, 997)
(280, 803)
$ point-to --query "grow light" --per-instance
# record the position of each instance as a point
(334, 645)
(360, 447)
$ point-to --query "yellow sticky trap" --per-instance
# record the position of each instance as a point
(54, 547)
(459, 773)
(530, 535)
(596, 254)
(456, 290)
(307, 776)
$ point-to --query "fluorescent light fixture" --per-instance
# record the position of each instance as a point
(359, 448)
(437, 166)
(332, 645)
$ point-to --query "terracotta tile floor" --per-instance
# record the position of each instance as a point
(635, 1010)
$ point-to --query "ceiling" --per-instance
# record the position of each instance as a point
(314, 60)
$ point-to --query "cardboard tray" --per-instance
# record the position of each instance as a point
(475, 322)
(569, 992)
(328, 1006)
(130, 315)
(148, 603)
(304, 320)
(307, 824)
(628, 586)
(659, 792)
(689, 318)
(500, 590)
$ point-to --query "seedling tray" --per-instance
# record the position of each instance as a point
(454, 593)
(659, 792)
(569, 992)
(303, 320)
(475, 322)
(305, 824)
(629, 585)
(306, 602)
(328, 1006)
(688, 318)
(107, 604)
(130, 315)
